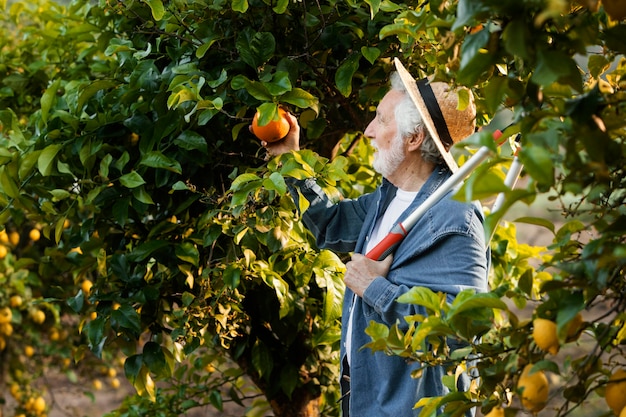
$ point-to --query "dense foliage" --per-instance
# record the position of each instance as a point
(168, 239)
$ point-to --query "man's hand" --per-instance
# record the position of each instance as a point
(361, 271)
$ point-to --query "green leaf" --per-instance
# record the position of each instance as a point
(146, 249)
(87, 92)
(495, 90)
(538, 164)
(232, 276)
(46, 159)
(374, 7)
(480, 300)
(345, 73)
(370, 53)
(553, 66)
(537, 221)
(289, 378)
(132, 366)
(242, 180)
(262, 359)
(255, 48)
(156, 159)
(154, 359)
(158, 11)
(275, 182)
(280, 84)
(48, 99)
(126, 318)
(256, 89)
(475, 59)
(281, 6)
(187, 252)
(240, 6)
(424, 297)
(8, 184)
(466, 12)
(377, 330)
(516, 38)
(140, 194)
(615, 38)
(132, 180)
(300, 98)
(95, 335)
(191, 141)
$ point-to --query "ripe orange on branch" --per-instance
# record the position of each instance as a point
(274, 130)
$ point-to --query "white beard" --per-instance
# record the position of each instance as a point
(386, 162)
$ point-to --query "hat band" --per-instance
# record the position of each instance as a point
(435, 112)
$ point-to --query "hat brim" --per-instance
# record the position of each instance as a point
(410, 85)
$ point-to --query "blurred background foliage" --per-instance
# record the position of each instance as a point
(144, 225)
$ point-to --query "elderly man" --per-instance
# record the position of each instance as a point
(416, 123)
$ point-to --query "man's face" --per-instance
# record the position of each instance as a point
(383, 133)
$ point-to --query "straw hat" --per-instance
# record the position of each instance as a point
(437, 105)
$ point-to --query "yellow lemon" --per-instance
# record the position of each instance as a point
(6, 329)
(533, 389)
(97, 384)
(86, 286)
(623, 412)
(544, 334)
(615, 393)
(29, 351)
(3, 251)
(115, 383)
(54, 335)
(15, 301)
(39, 405)
(38, 316)
(5, 315)
(14, 238)
(34, 235)
(4, 237)
(574, 327)
(15, 391)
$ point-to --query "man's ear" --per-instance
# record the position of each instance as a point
(414, 142)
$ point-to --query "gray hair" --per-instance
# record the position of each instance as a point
(409, 122)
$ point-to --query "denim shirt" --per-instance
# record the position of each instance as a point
(445, 251)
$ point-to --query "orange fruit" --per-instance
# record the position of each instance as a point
(274, 131)
(616, 9)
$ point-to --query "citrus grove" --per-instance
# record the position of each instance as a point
(144, 235)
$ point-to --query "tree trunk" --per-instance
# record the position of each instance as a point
(301, 404)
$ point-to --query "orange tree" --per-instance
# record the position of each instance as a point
(125, 142)
(168, 238)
